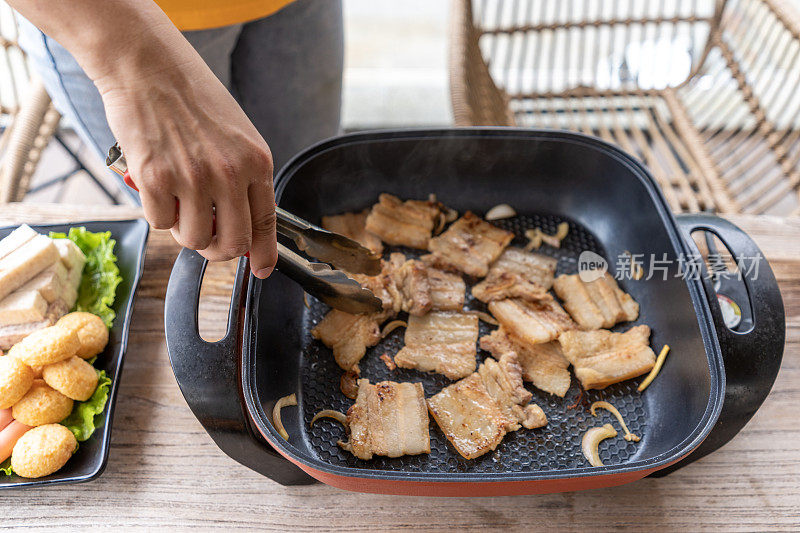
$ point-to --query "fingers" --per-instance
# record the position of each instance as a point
(263, 252)
(195, 218)
(233, 232)
(206, 202)
(159, 209)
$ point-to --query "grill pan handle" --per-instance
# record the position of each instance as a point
(752, 358)
(208, 373)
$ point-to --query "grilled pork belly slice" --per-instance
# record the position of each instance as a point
(383, 286)
(422, 288)
(503, 380)
(410, 285)
(469, 417)
(348, 335)
(400, 223)
(542, 364)
(535, 268)
(447, 290)
(353, 225)
(475, 413)
(597, 304)
(517, 274)
(507, 285)
(469, 245)
(388, 419)
(532, 322)
(402, 285)
(413, 286)
(440, 342)
(603, 357)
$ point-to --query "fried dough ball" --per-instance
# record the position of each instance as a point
(16, 379)
(37, 370)
(43, 450)
(47, 346)
(73, 377)
(91, 330)
(41, 405)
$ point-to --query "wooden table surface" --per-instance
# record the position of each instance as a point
(164, 470)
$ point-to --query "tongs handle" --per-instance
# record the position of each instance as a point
(333, 287)
(319, 243)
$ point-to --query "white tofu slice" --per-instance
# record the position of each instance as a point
(23, 264)
(50, 283)
(12, 334)
(21, 307)
(71, 255)
(74, 277)
(15, 239)
(69, 295)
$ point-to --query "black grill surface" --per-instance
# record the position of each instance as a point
(557, 446)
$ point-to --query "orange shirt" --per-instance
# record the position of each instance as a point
(204, 14)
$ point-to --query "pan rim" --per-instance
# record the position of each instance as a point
(696, 292)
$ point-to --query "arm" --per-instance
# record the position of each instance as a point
(185, 137)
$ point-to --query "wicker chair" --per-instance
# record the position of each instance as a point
(704, 92)
(28, 123)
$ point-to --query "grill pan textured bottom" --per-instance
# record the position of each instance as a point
(556, 446)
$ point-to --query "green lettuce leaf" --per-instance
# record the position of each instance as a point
(82, 421)
(100, 275)
(5, 467)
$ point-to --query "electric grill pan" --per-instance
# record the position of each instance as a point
(712, 383)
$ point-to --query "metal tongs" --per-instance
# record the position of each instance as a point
(332, 287)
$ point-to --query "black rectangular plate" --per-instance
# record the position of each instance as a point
(92, 455)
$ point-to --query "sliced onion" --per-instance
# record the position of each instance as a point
(330, 413)
(450, 215)
(391, 326)
(656, 368)
(486, 317)
(276, 413)
(500, 211)
(591, 441)
(550, 239)
(348, 384)
(441, 220)
(534, 237)
(637, 272)
(388, 361)
(562, 232)
(613, 410)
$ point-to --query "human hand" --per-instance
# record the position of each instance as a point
(193, 154)
(189, 147)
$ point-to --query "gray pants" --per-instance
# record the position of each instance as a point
(285, 71)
